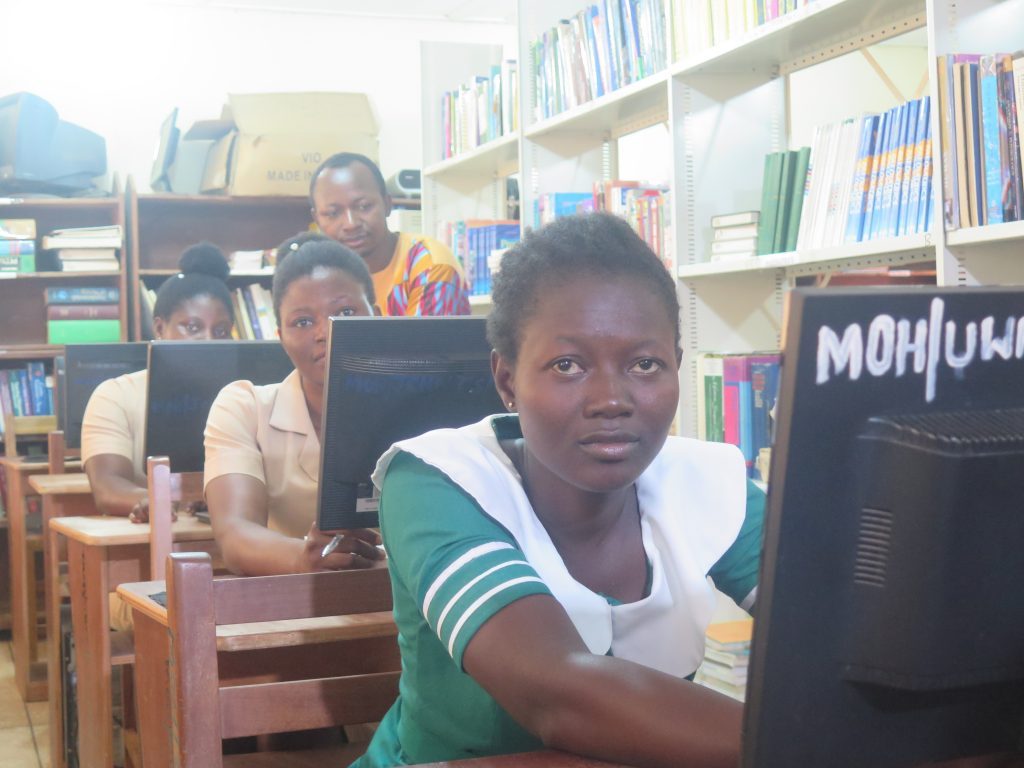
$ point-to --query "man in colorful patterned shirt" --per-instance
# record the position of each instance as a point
(412, 274)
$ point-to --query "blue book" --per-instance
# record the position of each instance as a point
(877, 159)
(91, 294)
(911, 222)
(890, 200)
(885, 167)
(764, 387)
(25, 391)
(992, 176)
(592, 50)
(901, 192)
(14, 385)
(861, 178)
(37, 388)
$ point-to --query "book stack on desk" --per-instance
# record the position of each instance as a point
(726, 658)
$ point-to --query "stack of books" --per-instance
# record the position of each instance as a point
(86, 249)
(782, 197)
(727, 657)
(734, 235)
(481, 110)
(17, 245)
(981, 114)
(83, 314)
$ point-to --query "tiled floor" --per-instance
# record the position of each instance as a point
(23, 736)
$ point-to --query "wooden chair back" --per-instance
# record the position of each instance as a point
(15, 426)
(317, 687)
(56, 451)
(165, 489)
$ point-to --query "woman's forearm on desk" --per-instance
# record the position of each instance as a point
(530, 658)
(114, 490)
(238, 513)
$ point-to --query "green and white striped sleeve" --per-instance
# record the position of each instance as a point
(736, 572)
(461, 566)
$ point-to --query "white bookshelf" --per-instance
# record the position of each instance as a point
(726, 108)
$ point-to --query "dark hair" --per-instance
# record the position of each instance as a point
(319, 253)
(293, 243)
(343, 160)
(570, 247)
(203, 271)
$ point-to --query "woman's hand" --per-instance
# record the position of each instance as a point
(355, 548)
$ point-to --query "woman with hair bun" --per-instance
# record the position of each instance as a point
(193, 305)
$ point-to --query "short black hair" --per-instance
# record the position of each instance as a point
(293, 244)
(570, 247)
(203, 272)
(343, 160)
(315, 253)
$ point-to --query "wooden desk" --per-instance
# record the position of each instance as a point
(547, 758)
(63, 496)
(104, 552)
(31, 681)
(152, 655)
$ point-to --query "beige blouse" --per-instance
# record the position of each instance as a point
(266, 432)
(115, 421)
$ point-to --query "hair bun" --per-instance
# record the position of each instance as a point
(204, 258)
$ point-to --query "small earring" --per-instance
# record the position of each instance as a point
(511, 405)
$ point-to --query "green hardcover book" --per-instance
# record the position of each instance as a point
(769, 202)
(82, 331)
(785, 202)
(712, 424)
(796, 196)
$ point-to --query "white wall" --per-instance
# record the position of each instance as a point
(118, 67)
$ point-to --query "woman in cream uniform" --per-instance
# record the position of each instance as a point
(193, 305)
(263, 442)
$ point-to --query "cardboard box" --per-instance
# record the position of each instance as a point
(189, 166)
(277, 140)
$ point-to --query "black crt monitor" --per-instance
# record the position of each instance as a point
(81, 369)
(184, 379)
(889, 626)
(389, 379)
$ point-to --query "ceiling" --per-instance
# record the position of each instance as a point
(490, 11)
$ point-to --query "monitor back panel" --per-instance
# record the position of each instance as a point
(184, 380)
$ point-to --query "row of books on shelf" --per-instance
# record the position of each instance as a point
(698, 25)
(736, 395)
(981, 105)
(861, 179)
(77, 249)
(252, 306)
(476, 243)
(83, 314)
(481, 110)
(26, 391)
(727, 657)
(602, 48)
(646, 207)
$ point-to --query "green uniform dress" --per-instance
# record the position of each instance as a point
(453, 567)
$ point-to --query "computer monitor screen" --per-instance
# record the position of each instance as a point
(389, 379)
(184, 379)
(889, 630)
(82, 368)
